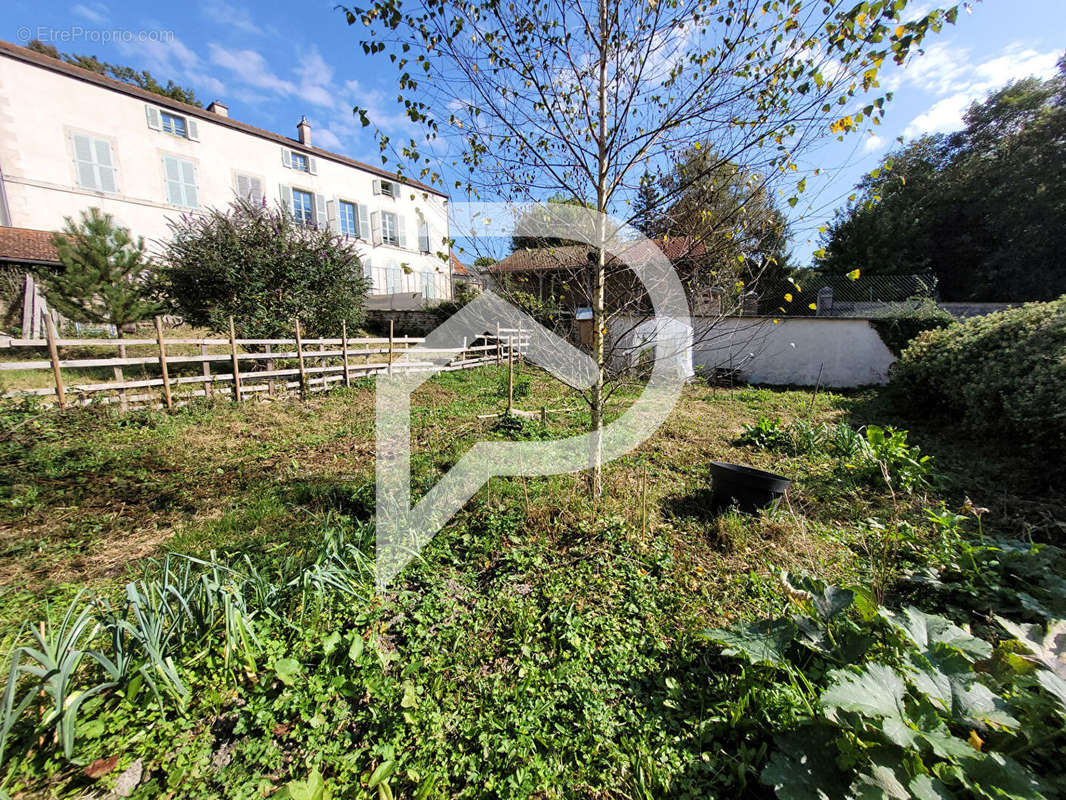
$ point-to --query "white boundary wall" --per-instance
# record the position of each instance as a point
(801, 351)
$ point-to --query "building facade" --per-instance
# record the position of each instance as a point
(71, 139)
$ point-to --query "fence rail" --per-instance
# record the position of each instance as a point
(307, 365)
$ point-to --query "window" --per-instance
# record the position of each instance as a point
(392, 279)
(301, 162)
(180, 178)
(390, 233)
(174, 124)
(249, 187)
(347, 218)
(93, 163)
(303, 207)
(429, 285)
(387, 188)
(423, 236)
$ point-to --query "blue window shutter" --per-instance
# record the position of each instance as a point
(320, 211)
(364, 222)
(285, 160)
(193, 129)
(152, 113)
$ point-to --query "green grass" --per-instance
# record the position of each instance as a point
(539, 647)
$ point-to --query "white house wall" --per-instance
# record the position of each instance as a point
(40, 111)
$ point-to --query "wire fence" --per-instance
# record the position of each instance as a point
(821, 294)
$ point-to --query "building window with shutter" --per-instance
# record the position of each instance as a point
(180, 177)
(300, 162)
(423, 236)
(390, 232)
(303, 207)
(250, 188)
(347, 219)
(392, 279)
(428, 286)
(94, 165)
(173, 124)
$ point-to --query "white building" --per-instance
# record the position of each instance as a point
(71, 139)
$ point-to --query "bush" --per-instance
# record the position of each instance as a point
(1004, 374)
(258, 265)
(898, 327)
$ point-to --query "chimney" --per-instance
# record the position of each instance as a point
(218, 108)
(304, 131)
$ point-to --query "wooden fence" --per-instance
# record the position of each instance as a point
(253, 367)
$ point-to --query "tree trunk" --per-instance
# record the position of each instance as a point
(599, 319)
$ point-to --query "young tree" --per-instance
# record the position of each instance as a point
(263, 268)
(580, 96)
(102, 275)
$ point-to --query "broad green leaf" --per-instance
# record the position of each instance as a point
(287, 669)
(803, 767)
(1047, 649)
(314, 788)
(1056, 686)
(761, 642)
(876, 691)
(995, 775)
(925, 630)
(356, 648)
(924, 787)
(329, 643)
(879, 783)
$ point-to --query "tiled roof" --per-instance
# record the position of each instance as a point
(47, 62)
(574, 256)
(458, 267)
(27, 246)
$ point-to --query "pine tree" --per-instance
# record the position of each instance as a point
(100, 279)
(647, 211)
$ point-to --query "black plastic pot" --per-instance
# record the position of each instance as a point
(746, 488)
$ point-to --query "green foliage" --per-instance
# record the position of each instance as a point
(898, 327)
(902, 704)
(102, 275)
(872, 454)
(141, 78)
(260, 266)
(463, 295)
(980, 207)
(1003, 374)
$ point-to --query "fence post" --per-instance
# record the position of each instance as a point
(123, 403)
(510, 374)
(205, 368)
(233, 359)
(53, 353)
(28, 291)
(499, 346)
(270, 368)
(163, 364)
(389, 368)
(344, 350)
(300, 358)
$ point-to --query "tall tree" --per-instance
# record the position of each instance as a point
(102, 275)
(981, 208)
(141, 78)
(579, 96)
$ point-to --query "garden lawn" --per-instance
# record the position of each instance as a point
(541, 646)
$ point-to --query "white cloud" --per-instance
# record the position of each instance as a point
(96, 13)
(873, 143)
(952, 75)
(316, 78)
(326, 138)
(172, 60)
(251, 68)
(233, 17)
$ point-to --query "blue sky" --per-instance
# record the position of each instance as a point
(272, 62)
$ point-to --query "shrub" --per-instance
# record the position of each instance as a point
(1003, 373)
(898, 327)
(258, 265)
